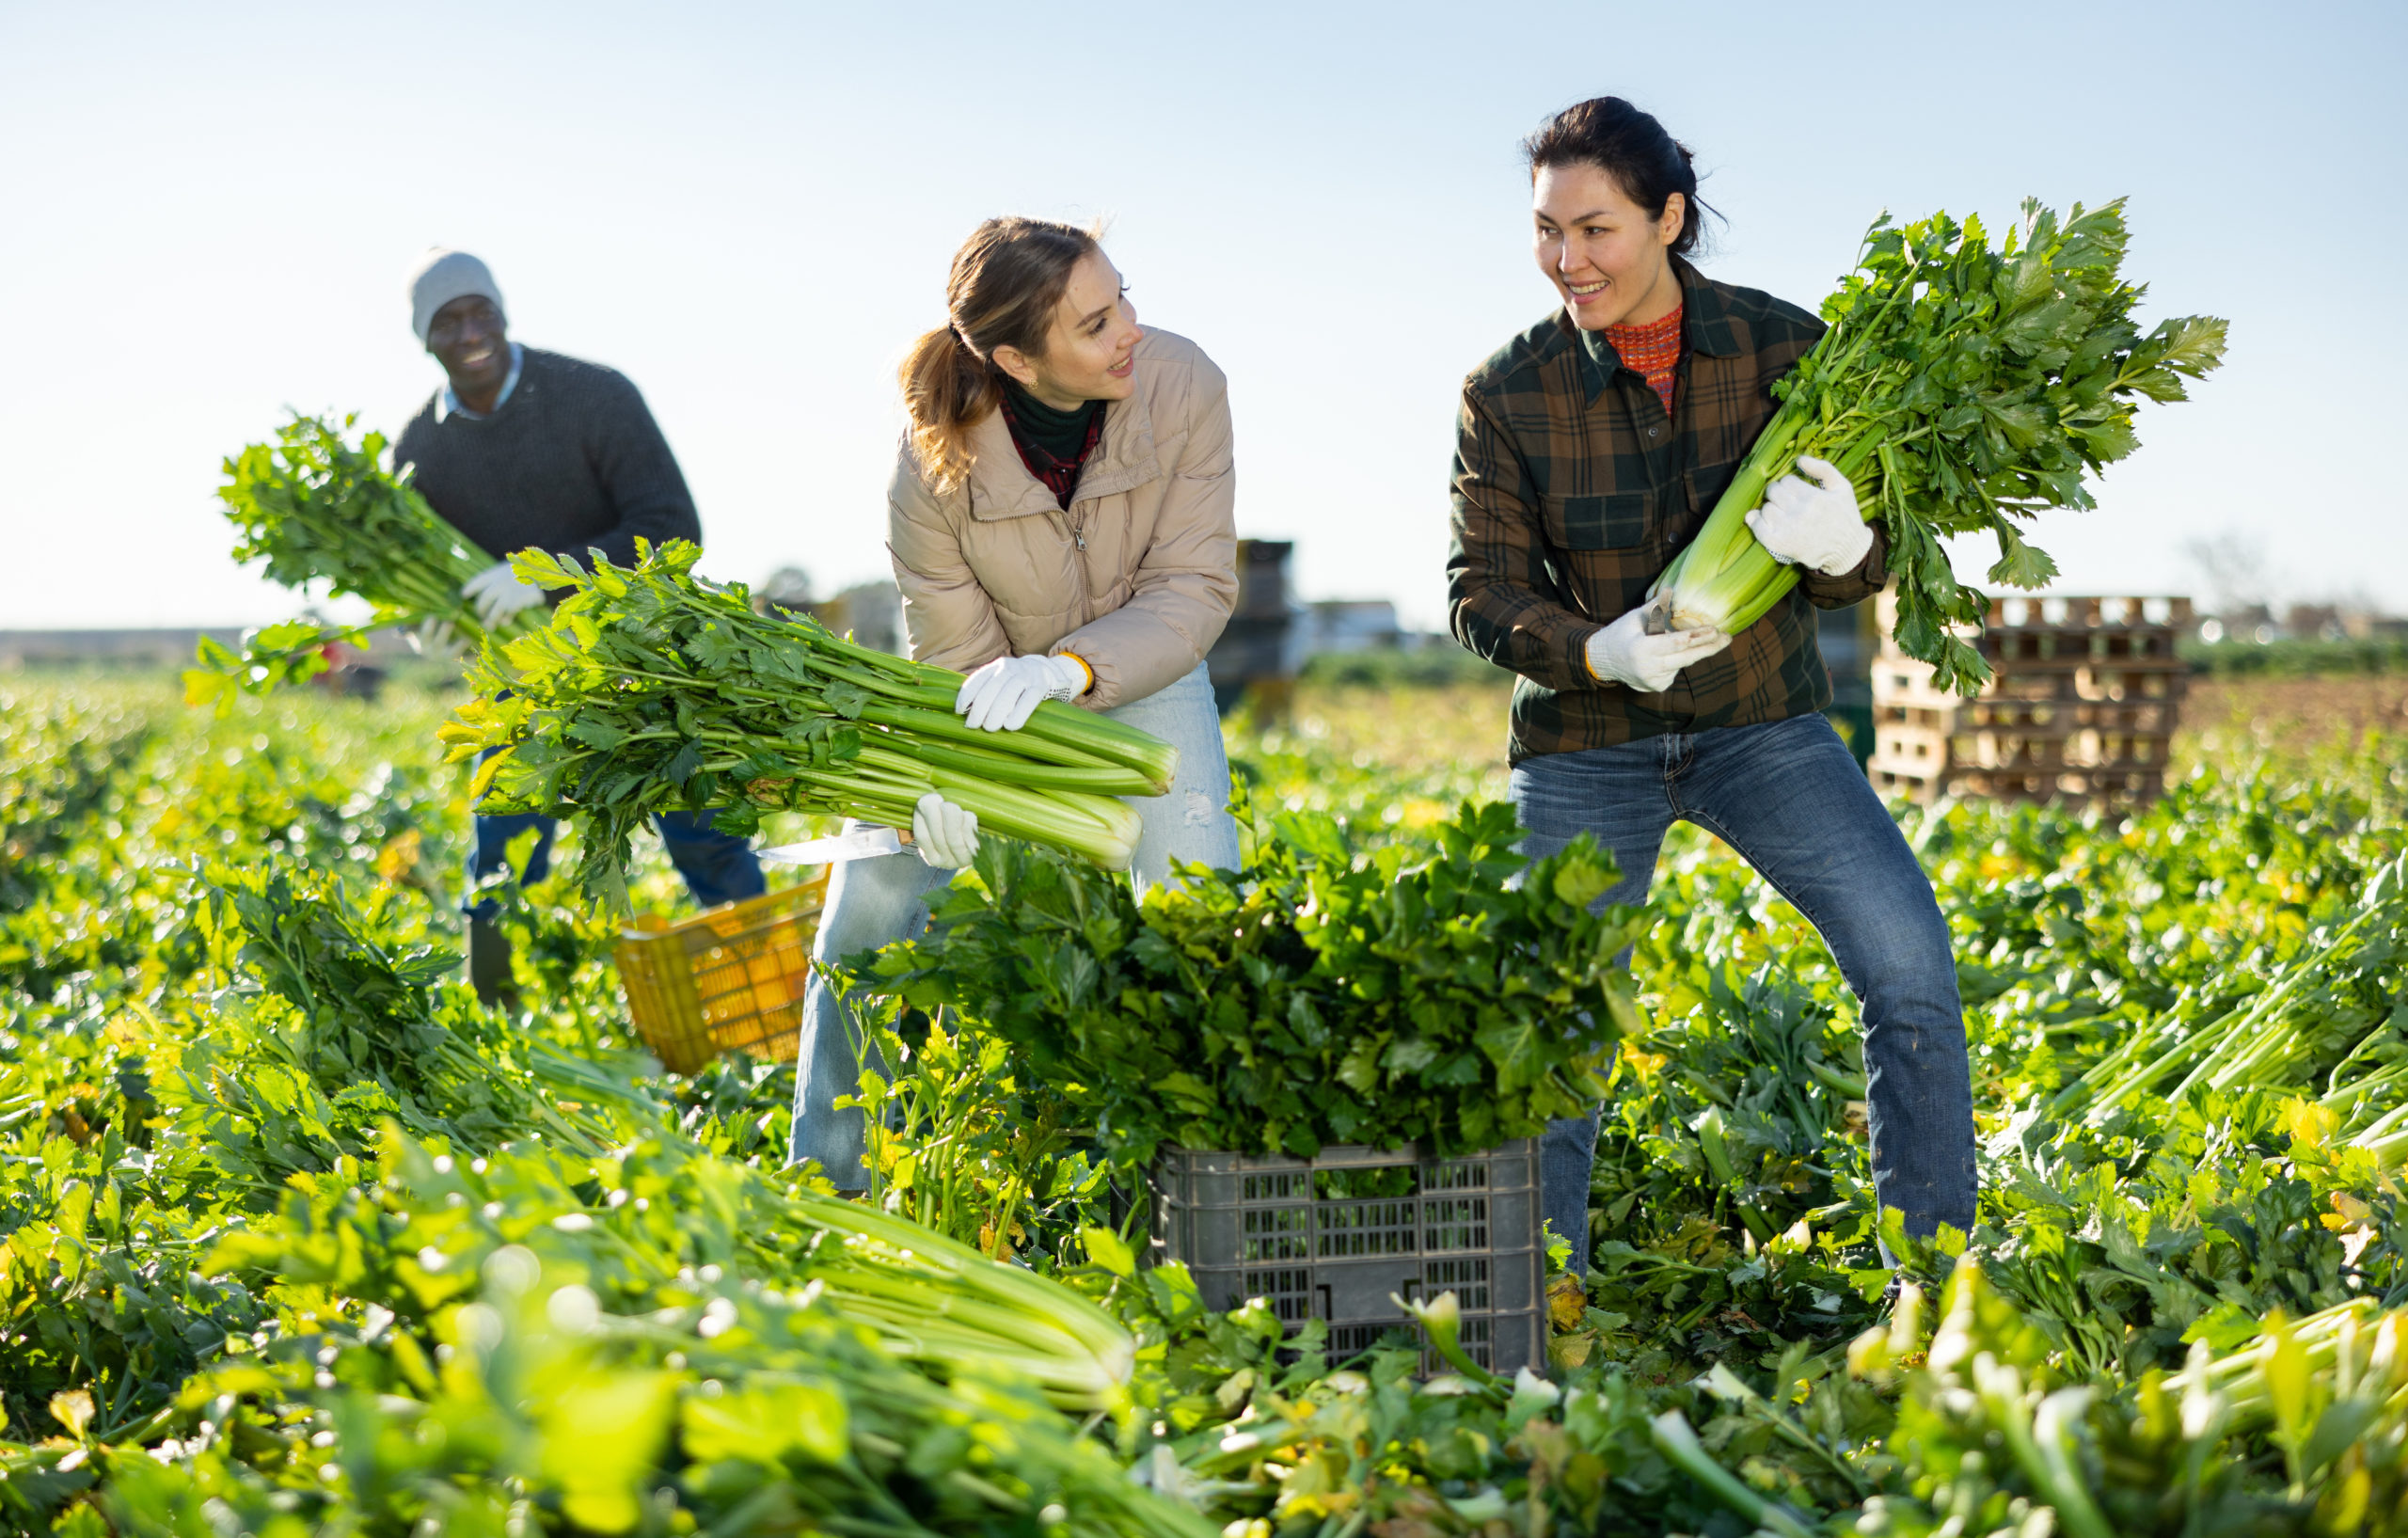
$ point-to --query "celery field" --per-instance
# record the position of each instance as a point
(296, 1238)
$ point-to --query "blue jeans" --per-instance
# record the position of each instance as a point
(1790, 800)
(718, 867)
(878, 901)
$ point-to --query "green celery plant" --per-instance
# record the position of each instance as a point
(1319, 996)
(1963, 390)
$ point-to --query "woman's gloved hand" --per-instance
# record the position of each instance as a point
(439, 638)
(1001, 696)
(945, 835)
(1806, 524)
(496, 593)
(1625, 653)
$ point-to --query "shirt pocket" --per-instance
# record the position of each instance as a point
(1604, 550)
(1708, 482)
(1703, 485)
(1619, 520)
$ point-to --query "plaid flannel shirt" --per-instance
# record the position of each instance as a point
(1574, 489)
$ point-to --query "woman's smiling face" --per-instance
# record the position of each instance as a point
(1606, 257)
(1090, 352)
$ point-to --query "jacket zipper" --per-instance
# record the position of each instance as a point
(1078, 538)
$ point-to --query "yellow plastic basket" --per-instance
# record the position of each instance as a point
(730, 980)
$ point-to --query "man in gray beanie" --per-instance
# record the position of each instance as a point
(525, 448)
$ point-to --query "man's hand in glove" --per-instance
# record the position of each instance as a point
(1625, 653)
(1001, 696)
(1806, 524)
(945, 835)
(496, 593)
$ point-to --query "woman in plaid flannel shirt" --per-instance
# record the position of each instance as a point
(1590, 451)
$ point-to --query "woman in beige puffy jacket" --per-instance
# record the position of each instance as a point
(1061, 526)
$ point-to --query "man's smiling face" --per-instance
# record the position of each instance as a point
(471, 342)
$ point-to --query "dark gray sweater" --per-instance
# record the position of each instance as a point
(573, 459)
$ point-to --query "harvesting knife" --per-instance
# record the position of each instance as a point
(862, 844)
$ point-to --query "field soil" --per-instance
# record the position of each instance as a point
(2299, 712)
(1449, 740)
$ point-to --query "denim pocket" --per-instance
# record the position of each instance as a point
(1616, 521)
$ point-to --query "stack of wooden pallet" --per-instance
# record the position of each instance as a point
(2082, 704)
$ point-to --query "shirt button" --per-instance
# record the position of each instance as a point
(1650, 431)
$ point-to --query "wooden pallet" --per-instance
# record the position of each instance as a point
(2083, 703)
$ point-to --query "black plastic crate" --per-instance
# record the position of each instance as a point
(1331, 1237)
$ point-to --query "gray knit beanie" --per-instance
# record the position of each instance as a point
(442, 276)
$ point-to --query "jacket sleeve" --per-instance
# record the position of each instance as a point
(1187, 583)
(1851, 587)
(941, 596)
(640, 475)
(1502, 602)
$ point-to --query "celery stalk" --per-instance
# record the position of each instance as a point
(909, 1281)
(1674, 1439)
(651, 689)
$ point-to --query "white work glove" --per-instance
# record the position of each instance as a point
(437, 638)
(1001, 696)
(945, 835)
(1803, 524)
(1625, 652)
(497, 594)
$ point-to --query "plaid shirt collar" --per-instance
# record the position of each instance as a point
(1704, 328)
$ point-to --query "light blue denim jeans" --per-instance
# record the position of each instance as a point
(1787, 795)
(878, 901)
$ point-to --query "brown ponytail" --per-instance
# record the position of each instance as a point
(1007, 280)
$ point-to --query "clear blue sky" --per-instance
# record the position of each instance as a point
(750, 210)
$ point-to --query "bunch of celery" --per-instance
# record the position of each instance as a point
(2358, 1345)
(938, 1302)
(1960, 390)
(652, 689)
(2326, 1015)
(317, 508)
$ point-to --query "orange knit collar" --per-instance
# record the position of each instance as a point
(1631, 342)
(1651, 350)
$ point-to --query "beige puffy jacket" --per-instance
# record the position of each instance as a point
(1139, 576)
